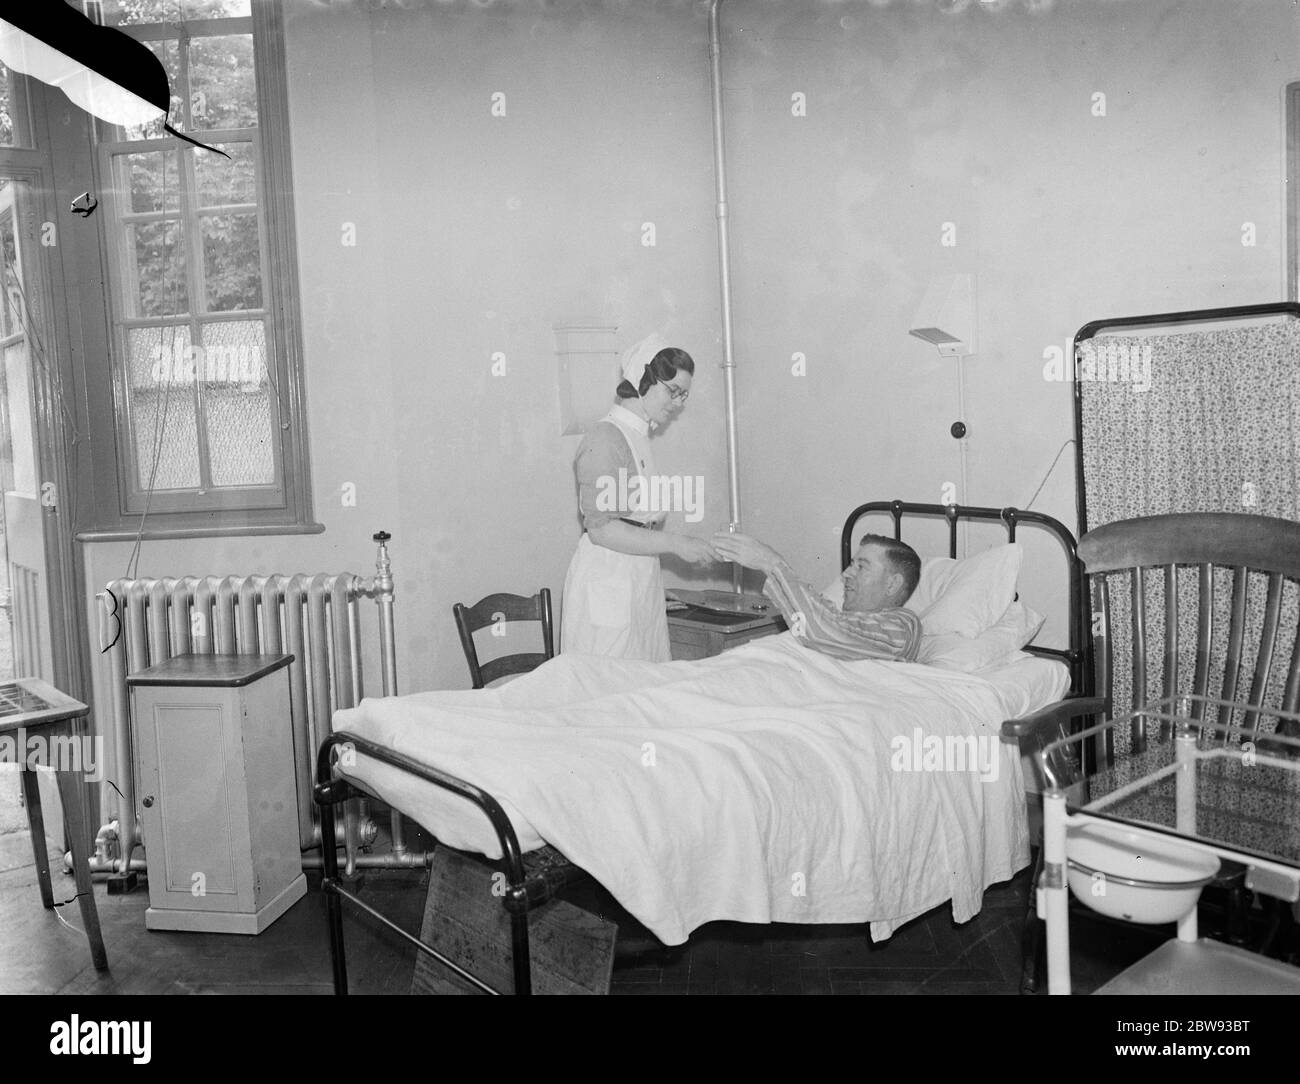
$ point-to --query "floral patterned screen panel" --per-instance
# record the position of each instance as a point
(1193, 421)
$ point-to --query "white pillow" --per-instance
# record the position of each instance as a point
(967, 596)
(953, 651)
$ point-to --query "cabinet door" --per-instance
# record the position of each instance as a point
(196, 822)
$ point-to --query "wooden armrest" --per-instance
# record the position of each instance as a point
(1048, 721)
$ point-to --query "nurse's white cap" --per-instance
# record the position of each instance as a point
(636, 358)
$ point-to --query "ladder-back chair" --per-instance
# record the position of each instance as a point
(1203, 606)
(496, 611)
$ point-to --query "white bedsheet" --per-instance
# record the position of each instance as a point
(754, 786)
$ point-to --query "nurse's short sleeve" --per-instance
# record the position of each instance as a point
(601, 455)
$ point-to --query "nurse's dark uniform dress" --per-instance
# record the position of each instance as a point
(614, 602)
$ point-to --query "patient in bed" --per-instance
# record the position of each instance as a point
(873, 623)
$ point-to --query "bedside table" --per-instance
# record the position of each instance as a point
(699, 634)
(220, 807)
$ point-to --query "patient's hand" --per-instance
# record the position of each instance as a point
(746, 551)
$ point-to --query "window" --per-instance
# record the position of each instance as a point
(206, 375)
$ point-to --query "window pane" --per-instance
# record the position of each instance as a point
(231, 262)
(13, 120)
(158, 356)
(126, 12)
(237, 404)
(6, 120)
(169, 53)
(19, 410)
(162, 407)
(11, 312)
(152, 180)
(157, 254)
(223, 90)
(223, 181)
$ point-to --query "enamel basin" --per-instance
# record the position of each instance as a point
(1135, 877)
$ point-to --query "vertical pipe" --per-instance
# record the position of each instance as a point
(1055, 893)
(388, 654)
(112, 630)
(724, 274)
(137, 658)
(295, 591)
(963, 455)
(1185, 808)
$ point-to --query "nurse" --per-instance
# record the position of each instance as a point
(614, 592)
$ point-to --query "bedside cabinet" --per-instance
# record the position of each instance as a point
(219, 802)
(699, 634)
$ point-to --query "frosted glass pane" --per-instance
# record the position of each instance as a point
(160, 373)
(165, 432)
(158, 356)
(237, 404)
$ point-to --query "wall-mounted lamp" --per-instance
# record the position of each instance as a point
(946, 318)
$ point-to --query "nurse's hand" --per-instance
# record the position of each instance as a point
(696, 551)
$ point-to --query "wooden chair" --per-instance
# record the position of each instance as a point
(1182, 604)
(501, 608)
(546, 864)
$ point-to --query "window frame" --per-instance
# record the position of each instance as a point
(283, 506)
(1291, 114)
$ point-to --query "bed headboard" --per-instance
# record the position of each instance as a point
(1077, 655)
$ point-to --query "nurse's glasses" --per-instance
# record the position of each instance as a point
(679, 394)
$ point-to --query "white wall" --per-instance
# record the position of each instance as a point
(984, 120)
(475, 234)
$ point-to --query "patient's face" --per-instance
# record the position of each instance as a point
(870, 582)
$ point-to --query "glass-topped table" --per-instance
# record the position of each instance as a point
(1186, 775)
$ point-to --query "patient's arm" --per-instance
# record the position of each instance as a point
(884, 634)
(843, 634)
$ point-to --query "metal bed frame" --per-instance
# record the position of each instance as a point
(529, 885)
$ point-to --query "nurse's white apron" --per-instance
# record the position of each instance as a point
(614, 602)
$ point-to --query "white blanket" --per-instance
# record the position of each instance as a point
(767, 784)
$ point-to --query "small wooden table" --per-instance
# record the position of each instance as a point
(40, 726)
(699, 634)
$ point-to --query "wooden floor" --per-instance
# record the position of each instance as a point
(39, 954)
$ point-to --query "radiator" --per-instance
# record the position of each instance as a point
(27, 607)
(316, 618)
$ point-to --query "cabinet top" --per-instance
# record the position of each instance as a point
(224, 670)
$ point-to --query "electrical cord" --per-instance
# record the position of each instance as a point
(1048, 474)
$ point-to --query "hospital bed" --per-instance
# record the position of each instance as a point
(798, 795)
